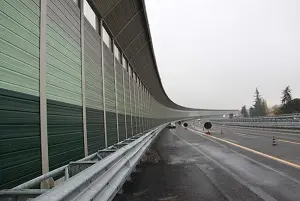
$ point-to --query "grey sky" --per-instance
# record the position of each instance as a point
(213, 53)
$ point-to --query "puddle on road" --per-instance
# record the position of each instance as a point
(173, 160)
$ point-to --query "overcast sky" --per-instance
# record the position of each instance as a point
(214, 53)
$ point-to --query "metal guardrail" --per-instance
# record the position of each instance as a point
(97, 177)
(284, 117)
(290, 121)
(262, 124)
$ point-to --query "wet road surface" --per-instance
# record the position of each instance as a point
(185, 164)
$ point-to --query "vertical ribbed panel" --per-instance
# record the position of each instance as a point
(122, 130)
(63, 55)
(143, 110)
(93, 89)
(19, 138)
(64, 97)
(111, 123)
(19, 92)
(65, 133)
(95, 129)
(129, 127)
(134, 109)
(139, 120)
(110, 97)
(119, 73)
(127, 104)
(120, 95)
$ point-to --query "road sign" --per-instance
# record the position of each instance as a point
(207, 125)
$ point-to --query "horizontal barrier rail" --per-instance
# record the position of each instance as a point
(295, 117)
(96, 177)
(261, 124)
(290, 121)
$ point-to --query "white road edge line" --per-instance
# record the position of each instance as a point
(231, 140)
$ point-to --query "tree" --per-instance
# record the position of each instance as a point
(265, 107)
(292, 106)
(258, 104)
(276, 110)
(259, 107)
(286, 95)
(251, 112)
(244, 111)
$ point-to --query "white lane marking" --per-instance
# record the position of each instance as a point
(288, 141)
(253, 130)
(255, 190)
(253, 151)
(246, 135)
(239, 134)
(259, 163)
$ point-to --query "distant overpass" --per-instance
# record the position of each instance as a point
(73, 83)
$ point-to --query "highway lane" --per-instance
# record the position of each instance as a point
(263, 129)
(194, 166)
(287, 144)
(252, 160)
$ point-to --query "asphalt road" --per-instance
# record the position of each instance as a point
(235, 164)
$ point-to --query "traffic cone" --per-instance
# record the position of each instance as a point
(274, 141)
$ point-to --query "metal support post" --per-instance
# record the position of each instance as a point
(43, 98)
(103, 81)
(145, 109)
(135, 109)
(116, 92)
(142, 109)
(149, 111)
(124, 96)
(138, 108)
(85, 145)
(129, 82)
(139, 102)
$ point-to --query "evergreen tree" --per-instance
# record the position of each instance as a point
(292, 106)
(259, 107)
(244, 111)
(251, 112)
(265, 107)
(286, 95)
